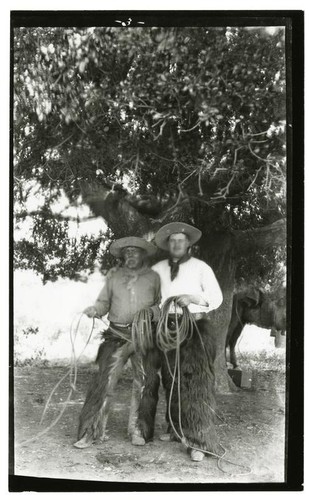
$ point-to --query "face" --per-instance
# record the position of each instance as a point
(178, 245)
(133, 257)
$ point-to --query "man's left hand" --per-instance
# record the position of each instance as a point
(185, 300)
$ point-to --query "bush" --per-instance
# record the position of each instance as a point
(262, 360)
(37, 359)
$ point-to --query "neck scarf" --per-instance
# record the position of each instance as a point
(175, 265)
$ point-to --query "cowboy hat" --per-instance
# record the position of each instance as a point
(131, 241)
(165, 232)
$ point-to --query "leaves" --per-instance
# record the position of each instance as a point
(185, 113)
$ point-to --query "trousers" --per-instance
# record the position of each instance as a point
(113, 354)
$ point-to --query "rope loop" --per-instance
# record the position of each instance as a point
(168, 338)
(171, 339)
(71, 373)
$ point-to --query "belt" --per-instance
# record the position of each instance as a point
(121, 325)
(118, 331)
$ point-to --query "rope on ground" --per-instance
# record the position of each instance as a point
(72, 373)
(168, 340)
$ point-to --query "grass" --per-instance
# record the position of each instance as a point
(263, 360)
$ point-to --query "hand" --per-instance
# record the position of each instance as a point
(155, 313)
(184, 300)
(91, 312)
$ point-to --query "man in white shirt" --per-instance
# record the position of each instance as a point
(183, 273)
(196, 287)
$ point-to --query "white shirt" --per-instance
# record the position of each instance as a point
(195, 277)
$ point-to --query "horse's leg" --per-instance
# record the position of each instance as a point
(232, 344)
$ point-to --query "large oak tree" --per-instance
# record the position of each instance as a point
(146, 126)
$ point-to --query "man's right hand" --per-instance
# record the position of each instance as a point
(91, 312)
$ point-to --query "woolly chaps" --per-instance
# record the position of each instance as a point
(197, 391)
(112, 356)
(150, 394)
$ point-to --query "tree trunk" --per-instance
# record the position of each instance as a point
(262, 237)
(113, 205)
(218, 251)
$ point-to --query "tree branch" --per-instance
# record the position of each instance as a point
(262, 237)
(221, 194)
(25, 213)
(254, 178)
(192, 128)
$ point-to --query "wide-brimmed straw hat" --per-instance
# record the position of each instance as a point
(165, 232)
(131, 241)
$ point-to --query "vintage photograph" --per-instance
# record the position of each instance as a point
(150, 331)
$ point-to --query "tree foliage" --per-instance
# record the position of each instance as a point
(147, 125)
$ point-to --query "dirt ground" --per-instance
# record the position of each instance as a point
(251, 429)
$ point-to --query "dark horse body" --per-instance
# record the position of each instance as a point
(255, 307)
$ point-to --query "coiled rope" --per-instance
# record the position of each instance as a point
(167, 339)
(142, 337)
(171, 339)
(141, 331)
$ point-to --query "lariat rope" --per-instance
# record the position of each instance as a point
(71, 373)
(171, 339)
(142, 340)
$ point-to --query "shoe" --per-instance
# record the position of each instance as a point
(137, 440)
(197, 456)
(165, 437)
(169, 437)
(84, 442)
(102, 439)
